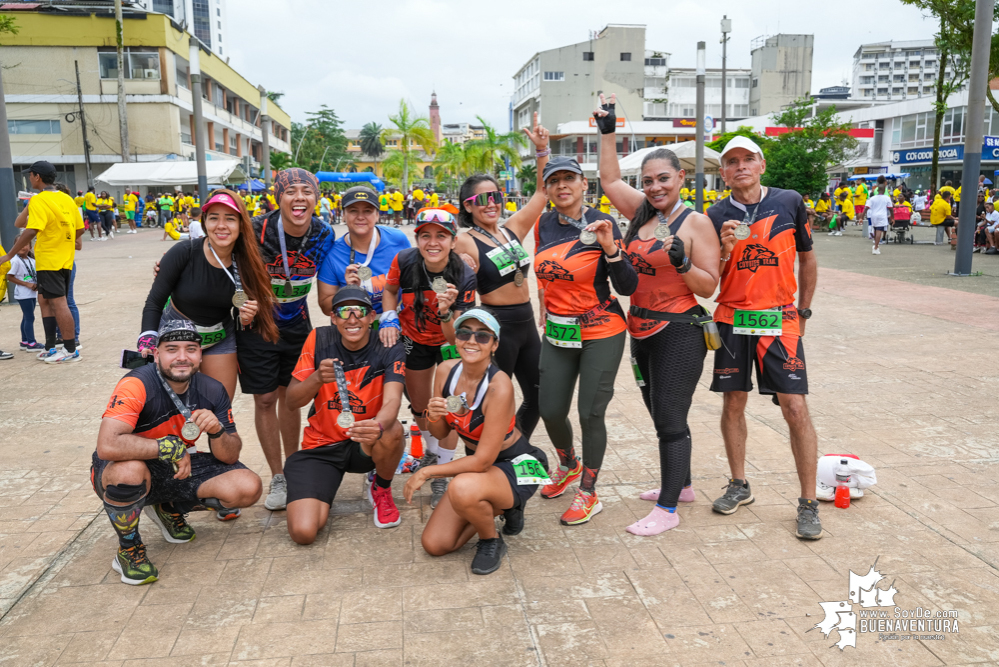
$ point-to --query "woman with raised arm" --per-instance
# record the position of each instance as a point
(676, 254)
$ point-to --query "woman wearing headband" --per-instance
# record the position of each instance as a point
(676, 254)
(500, 471)
(502, 266)
(429, 286)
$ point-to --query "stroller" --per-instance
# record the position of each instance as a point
(901, 224)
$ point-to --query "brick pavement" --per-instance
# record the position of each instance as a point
(901, 375)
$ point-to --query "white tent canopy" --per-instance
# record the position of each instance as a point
(169, 173)
(631, 165)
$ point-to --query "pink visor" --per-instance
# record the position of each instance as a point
(222, 198)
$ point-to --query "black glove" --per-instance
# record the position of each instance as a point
(676, 252)
(608, 123)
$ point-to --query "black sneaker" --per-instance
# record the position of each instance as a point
(488, 555)
(513, 521)
(809, 526)
(736, 493)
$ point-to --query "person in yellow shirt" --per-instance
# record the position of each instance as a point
(860, 194)
(396, 200)
(434, 200)
(604, 204)
(79, 200)
(822, 211)
(105, 204)
(941, 214)
(92, 215)
(419, 196)
(684, 193)
(128, 204)
(383, 205)
(56, 226)
(336, 206)
(725, 193)
(846, 213)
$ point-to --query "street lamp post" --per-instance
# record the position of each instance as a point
(726, 28)
(265, 148)
(200, 141)
(699, 154)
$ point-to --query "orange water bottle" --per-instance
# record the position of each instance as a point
(842, 491)
(415, 442)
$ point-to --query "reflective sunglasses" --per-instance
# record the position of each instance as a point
(484, 198)
(344, 312)
(481, 337)
(435, 215)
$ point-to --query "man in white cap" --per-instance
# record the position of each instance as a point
(761, 230)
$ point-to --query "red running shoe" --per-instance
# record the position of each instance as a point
(386, 513)
(561, 479)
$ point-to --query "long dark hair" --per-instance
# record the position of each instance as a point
(467, 190)
(647, 210)
(453, 273)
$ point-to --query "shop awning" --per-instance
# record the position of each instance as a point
(631, 165)
(170, 173)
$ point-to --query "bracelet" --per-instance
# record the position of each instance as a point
(615, 257)
(381, 431)
(218, 434)
(725, 259)
(447, 317)
(683, 268)
(426, 415)
(545, 153)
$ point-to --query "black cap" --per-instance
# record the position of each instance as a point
(43, 168)
(178, 330)
(561, 163)
(351, 293)
(359, 193)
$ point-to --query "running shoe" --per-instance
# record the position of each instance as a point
(438, 487)
(112, 234)
(386, 514)
(809, 527)
(488, 555)
(428, 459)
(64, 357)
(513, 521)
(173, 525)
(31, 347)
(277, 497)
(736, 493)
(227, 514)
(6, 355)
(50, 353)
(561, 479)
(133, 566)
(583, 508)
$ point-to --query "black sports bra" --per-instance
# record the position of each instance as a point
(488, 274)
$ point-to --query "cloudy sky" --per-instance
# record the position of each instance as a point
(360, 58)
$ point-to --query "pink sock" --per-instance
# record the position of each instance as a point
(658, 521)
(686, 495)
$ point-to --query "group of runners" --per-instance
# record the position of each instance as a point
(448, 324)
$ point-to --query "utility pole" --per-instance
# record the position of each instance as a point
(200, 141)
(974, 129)
(119, 26)
(83, 125)
(8, 190)
(699, 148)
(265, 149)
(726, 28)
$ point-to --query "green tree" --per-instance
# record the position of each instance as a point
(741, 131)
(451, 164)
(320, 142)
(491, 151)
(274, 96)
(798, 159)
(280, 160)
(528, 176)
(371, 141)
(8, 26)
(409, 129)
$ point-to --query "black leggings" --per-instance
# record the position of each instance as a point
(519, 355)
(671, 362)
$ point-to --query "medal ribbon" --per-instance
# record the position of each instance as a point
(480, 392)
(234, 276)
(664, 219)
(507, 246)
(366, 284)
(284, 248)
(341, 386)
(578, 224)
(181, 407)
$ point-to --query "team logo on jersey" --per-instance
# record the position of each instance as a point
(794, 364)
(115, 402)
(299, 264)
(641, 266)
(356, 404)
(550, 270)
(755, 256)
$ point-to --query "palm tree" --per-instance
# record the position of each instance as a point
(495, 148)
(371, 141)
(528, 177)
(452, 162)
(410, 129)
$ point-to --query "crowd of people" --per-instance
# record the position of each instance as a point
(447, 323)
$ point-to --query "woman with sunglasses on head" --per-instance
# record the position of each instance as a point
(500, 471)
(429, 286)
(578, 257)
(205, 280)
(677, 255)
(502, 266)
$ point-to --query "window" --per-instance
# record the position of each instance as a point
(218, 11)
(930, 63)
(202, 21)
(883, 78)
(913, 77)
(232, 143)
(866, 80)
(587, 55)
(625, 57)
(655, 110)
(654, 84)
(927, 89)
(712, 82)
(756, 82)
(655, 62)
(32, 126)
(898, 78)
(882, 91)
(138, 65)
(869, 67)
(884, 65)
(867, 56)
(218, 97)
(181, 74)
(913, 90)
(220, 25)
(185, 137)
(554, 76)
(914, 64)
(896, 91)
(738, 83)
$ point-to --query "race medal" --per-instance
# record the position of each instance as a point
(287, 288)
(742, 232)
(529, 471)
(586, 237)
(190, 431)
(661, 232)
(758, 322)
(453, 403)
(345, 420)
(518, 278)
(239, 298)
(364, 273)
(346, 417)
(439, 285)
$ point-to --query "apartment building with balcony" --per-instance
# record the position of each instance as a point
(895, 71)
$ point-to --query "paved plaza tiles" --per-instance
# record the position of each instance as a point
(903, 373)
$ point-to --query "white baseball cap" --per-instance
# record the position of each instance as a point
(741, 142)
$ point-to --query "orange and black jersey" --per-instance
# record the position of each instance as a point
(574, 276)
(760, 273)
(367, 370)
(660, 287)
(469, 425)
(400, 274)
(140, 401)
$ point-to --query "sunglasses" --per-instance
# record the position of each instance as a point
(344, 312)
(435, 215)
(481, 337)
(484, 198)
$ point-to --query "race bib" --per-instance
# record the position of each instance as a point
(507, 259)
(529, 471)
(563, 331)
(758, 322)
(211, 335)
(449, 352)
(300, 288)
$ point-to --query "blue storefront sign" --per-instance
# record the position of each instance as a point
(952, 153)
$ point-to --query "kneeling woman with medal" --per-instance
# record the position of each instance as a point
(429, 286)
(676, 253)
(500, 471)
(213, 281)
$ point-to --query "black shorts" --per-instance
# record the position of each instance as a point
(317, 472)
(949, 222)
(521, 492)
(164, 488)
(420, 357)
(263, 366)
(53, 284)
(779, 361)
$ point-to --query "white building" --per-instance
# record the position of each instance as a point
(683, 94)
(893, 71)
(205, 19)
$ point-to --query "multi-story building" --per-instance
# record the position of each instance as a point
(421, 168)
(781, 72)
(893, 71)
(682, 102)
(43, 101)
(205, 19)
(462, 133)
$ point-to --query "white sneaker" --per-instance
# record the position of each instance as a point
(45, 355)
(832, 233)
(876, 251)
(839, 233)
(277, 498)
(64, 357)
(112, 231)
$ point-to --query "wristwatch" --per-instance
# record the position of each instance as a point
(446, 317)
(804, 313)
(213, 436)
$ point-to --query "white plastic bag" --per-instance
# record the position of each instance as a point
(861, 475)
